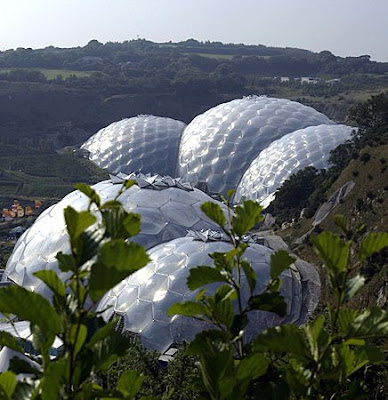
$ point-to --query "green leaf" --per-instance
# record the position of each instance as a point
(66, 262)
(332, 251)
(29, 306)
(373, 243)
(8, 383)
(281, 339)
(240, 321)
(108, 350)
(224, 260)
(223, 308)
(246, 217)
(6, 339)
(249, 274)
(119, 223)
(280, 261)
(214, 212)
(375, 354)
(342, 223)
(76, 336)
(369, 324)
(42, 340)
(189, 309)
(352, 286)
(132, 224)
(272, 302)
(102, 331)
(25, 391)
(77, 222)
(52, 380)
(216, 363)
(217, 337)
(230, 193)
(345, 318)
(204, 275)
(252, 367)
(88, 191)
(91, 240)
(317, 337)
(130, 383)
(50, 278)
(129, 183)
(116, 260)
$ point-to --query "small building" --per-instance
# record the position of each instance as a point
(309, 80)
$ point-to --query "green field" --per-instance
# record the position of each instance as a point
(51, 74)
(222, 56)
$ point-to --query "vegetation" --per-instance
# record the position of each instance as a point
(58, 97)
(307, 188)
(318, 361)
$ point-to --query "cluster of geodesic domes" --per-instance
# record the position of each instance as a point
(252, 144)
(223, 147)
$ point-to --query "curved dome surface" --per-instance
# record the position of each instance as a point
(144, 297)
(168, 210)
(218, 146)
(305, 147)
(146, 144)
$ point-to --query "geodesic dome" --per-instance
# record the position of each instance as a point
(144, 297)
(218, 146)
(302, 148)
(167, 207)
(146, 144)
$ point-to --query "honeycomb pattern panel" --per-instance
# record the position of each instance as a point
(37, 248)
(305, 147)
(146, 144)
(218, 146)
(144, 297)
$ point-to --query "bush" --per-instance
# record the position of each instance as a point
(318, 361)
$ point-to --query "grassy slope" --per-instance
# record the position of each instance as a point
(371, 179)
(52, 73)
(43, 175)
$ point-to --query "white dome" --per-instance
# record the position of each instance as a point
(144, 297)
(218, 146)
(146, 144)
(167, 208)
(305, 147)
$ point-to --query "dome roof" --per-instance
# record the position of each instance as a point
(218, 146)
(302, 148)
(144, 297)
(167, 208)
(146, 144)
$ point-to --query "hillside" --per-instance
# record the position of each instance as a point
(54, 97)
(367, 203)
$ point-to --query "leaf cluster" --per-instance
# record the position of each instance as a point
(101, 256)
(316, 361)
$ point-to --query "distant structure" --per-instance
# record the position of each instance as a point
(219, 145)
(145, 144)
(309, 80)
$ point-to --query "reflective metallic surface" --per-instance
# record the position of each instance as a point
(305, 147)
(167, 208)
(218, 146)
(146, 144)
(144, 297)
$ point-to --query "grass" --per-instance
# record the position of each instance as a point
(223, 56)
(51, 74)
